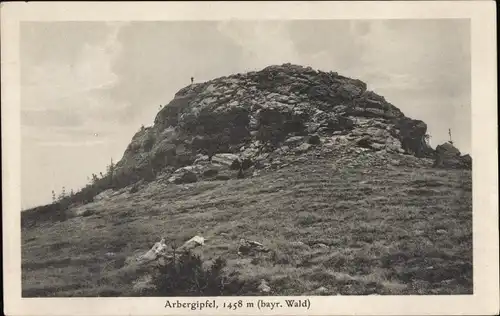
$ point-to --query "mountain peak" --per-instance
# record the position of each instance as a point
(253, 116)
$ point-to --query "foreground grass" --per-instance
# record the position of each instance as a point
(355, 232)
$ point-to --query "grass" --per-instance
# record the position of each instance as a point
(387, 231)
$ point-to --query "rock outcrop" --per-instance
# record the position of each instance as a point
(449, 157)
(254, 119)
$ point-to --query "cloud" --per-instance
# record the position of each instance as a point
(263, 42)
(72, 143)
(56, 93)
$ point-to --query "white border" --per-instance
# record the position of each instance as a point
(485, 299)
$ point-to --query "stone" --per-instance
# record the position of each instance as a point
(320, 246)
(448, 156)
(211, 172)
(377, 146)
(249, 247)
(298, 244)
(313, 127)
(200, 159)
(192, 243)
(158, 249)
(294, 140)
(226, 159)
(104, 195)
(321, 291)
(302, 148)
(264, 287)
(183, 175)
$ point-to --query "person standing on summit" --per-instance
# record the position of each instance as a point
(192, 80)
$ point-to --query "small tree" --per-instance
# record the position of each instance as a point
(110, 172)
(53, 196)
(62, 195)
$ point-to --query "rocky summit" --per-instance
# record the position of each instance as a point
(284, 181)
(269, 118)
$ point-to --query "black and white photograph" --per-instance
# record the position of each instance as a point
(249, 158)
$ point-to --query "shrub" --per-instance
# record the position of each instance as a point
(184, 275)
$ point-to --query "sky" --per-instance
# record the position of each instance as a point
(87, 87)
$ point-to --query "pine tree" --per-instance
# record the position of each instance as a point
(53, 196)
(110, 172)
(62, 195)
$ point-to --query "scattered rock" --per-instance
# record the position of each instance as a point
(222, 177)
(302, 148)
(298, 244)
(192, 243)
(294, 140)
(103, 195)
(211, 172)
(83, 211)
(225, 159)
(321, 291)
(183, 175)
(200, 159)
(264, 287)
(158, 249)
(320, 246)
(249, 247)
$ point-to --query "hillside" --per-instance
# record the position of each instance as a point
(334, 181)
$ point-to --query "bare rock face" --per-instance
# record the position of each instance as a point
(263, 115)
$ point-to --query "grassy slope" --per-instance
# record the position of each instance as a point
(389, 231)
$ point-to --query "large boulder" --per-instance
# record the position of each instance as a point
(449, 157)
(412, 136)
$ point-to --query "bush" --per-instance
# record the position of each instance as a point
(184, 275)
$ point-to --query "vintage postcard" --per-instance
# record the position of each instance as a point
(250, 158)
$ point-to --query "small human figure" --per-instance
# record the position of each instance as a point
(192, 80)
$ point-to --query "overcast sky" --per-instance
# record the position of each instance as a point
(88, 86)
